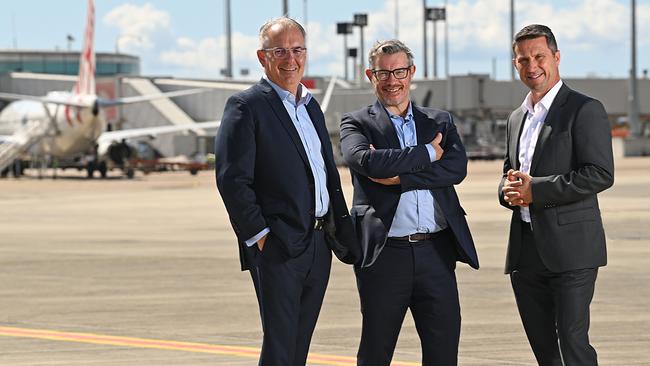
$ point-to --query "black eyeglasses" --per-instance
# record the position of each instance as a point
(383, 75)
(279, 52)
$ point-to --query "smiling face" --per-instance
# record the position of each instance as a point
(287, 71)
(393, 93)
(537, 65)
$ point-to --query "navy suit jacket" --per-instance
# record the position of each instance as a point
(572, 162)
(264, 178)
(374, 204)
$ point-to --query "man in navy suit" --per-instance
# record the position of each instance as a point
(558, 158)
(276, 174)
(404, 161)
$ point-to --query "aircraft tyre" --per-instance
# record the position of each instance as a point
(102, 169)
(90, 169)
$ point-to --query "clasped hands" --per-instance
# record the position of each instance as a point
(392, 181)
(517, 189)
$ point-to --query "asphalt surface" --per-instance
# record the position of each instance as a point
(145, 272)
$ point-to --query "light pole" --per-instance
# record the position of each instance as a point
(512, 37)
(70, 39)
(446, 44)
(285, 8)
(228, 70)
(352, 53)
(633, 115)
(424, 38)
(396, 20)
(361, 20)
(435, 14)
(304, 24)
(344, 28)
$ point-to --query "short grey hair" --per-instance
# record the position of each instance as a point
(535, 31)
(286, 23)
(388, 47)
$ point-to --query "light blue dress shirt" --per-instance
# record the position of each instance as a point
(310, 141)
(417, 211)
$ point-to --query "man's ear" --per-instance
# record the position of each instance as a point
(261, 57)
(369, 74)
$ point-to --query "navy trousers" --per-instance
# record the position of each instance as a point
(290, 292)
(420, 277)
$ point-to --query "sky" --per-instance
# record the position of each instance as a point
(187, 38)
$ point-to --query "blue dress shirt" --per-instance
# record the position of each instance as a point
(310, 141)
(417, 211)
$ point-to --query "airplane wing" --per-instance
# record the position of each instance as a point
(13, 97)
(101, 101)
(111, 136)
(143, 98)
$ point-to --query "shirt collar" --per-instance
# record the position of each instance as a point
(547, 100)
(305, 94)
(409, 114)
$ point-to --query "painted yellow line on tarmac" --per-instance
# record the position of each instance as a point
(239, 351)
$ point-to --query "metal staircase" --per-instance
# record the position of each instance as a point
(24, 138)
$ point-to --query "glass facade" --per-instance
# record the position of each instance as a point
(66, 63)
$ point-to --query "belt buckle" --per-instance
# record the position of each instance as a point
(318, 224)
(412, 240)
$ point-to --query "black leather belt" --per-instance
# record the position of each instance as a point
(319, 222)
(418, 237)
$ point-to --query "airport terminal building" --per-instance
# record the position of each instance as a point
(480, 105)
(66, 63)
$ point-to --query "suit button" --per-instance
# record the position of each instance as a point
(311, 213)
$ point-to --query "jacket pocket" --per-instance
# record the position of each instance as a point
(570, 217)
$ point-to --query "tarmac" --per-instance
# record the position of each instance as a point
(145, 272)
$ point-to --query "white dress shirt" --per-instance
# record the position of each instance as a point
(535, 116)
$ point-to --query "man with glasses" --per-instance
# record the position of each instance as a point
(404, 160)
(276, 174)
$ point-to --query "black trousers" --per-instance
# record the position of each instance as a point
(554, 308)
(416, 276)
(290, 292)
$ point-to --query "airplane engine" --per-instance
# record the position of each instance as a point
(120, 153)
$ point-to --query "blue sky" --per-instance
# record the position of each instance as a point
(186, 38)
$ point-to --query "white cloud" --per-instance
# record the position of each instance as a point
(206, 57)
(139, 26)
(479, 31)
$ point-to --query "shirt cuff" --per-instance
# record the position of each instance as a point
(432, 152)
(252, 241)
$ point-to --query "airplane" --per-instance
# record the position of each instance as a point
(65, 125)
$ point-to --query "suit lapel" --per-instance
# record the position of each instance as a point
(425, 127)
(281, 113)
(379, 116)
(552, 117)
(517, 124)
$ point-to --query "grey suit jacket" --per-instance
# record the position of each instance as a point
(571, 164)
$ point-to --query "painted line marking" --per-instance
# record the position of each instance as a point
(239, 351)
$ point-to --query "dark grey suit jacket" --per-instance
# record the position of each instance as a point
(572, 162)
(264, 177)
(374, 204)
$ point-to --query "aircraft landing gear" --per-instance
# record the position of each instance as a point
(93, 166)
(102, 169)
(90, 169)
